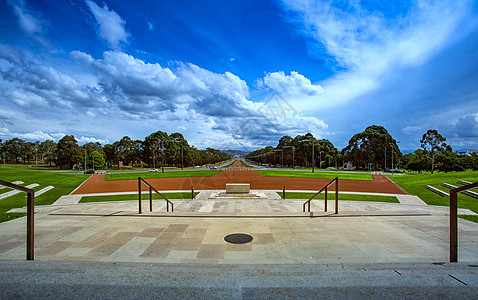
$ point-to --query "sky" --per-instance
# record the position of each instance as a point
(239, 74)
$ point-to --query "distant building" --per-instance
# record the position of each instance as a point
(471, 151)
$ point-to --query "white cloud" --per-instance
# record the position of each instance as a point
(150, 25)
(411, 129)
(369, 46)
(119, 95)
(84, 140)
(293, 84)
(111, 26)
(27, 20)
(37, 135)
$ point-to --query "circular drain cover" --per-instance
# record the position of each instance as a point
(238, 238)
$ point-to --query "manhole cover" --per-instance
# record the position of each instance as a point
(238, 238)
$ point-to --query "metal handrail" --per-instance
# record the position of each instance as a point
(151, 188)
(336, 180)
(454, 219)
(30, 216)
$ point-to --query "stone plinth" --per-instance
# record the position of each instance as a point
(238, 188)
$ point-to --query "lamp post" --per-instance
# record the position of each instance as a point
(182, 165)
(293, 164)
(313, 161)
(85, 158)
(281, 150)
(320, 159)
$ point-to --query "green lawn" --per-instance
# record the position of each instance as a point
(326, 175)
(170, 196)
(149, 175)
(415, 185)
(351, 197)
(63, 185)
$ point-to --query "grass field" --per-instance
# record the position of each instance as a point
(415, 185)
(149, 175)
(170, 196)
(63, 185)
(327, 175)
(350, 197)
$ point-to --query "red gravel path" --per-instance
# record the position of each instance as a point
(97, 183)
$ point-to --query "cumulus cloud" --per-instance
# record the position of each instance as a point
(465, 127)
(35, 85)
(37, 135)
(120, 89)
(293, 84)
(140, 88)
(111, 25)
(85, 139)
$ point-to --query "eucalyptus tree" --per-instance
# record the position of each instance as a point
(68, 152)
(371, 146)
(433, 143)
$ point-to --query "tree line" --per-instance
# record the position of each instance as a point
(155, 149)
(372, 149)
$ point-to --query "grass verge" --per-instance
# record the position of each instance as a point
(350, 197)
(415, 185)
(326, 175)
(170, 196)
(473, 218)
(63, 185)
(150, 175)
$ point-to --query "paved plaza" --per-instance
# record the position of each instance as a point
(362, 232)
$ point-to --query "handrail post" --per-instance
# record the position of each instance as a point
(192, 192)
(453, 227)
(283, 193)
(336, 195)
(139, 194)
(150, 199)
(325, 198)
(30, 226)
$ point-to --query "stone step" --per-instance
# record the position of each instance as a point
(437, 191)
(117, 280)
(468, 193)
(14, 192)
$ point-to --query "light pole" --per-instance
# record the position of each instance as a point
(93, 155)
(282, 164)
(313, 161)
(293, 164)
(320, 159)
(182, 165)
(162, 152)
(85, 158)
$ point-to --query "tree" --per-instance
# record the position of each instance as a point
(48, 150)
(416, 161)
(433, 142)
(14, 148)
(371, 146)
(68, 152)
(98, 159)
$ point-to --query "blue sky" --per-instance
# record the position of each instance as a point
(239, 74)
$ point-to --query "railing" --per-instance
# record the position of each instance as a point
(151, 189)
(454, 219)
(30, 216)
(336, 180)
